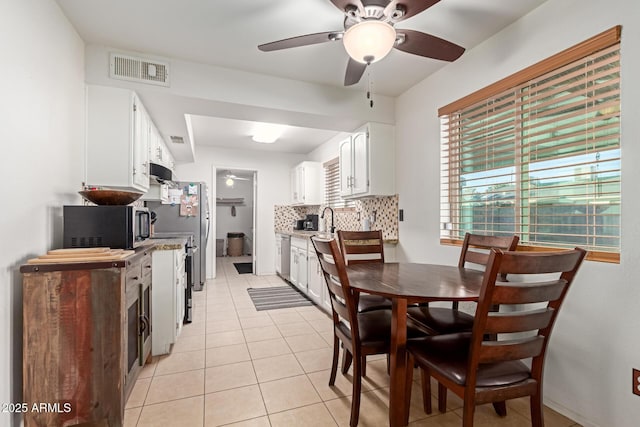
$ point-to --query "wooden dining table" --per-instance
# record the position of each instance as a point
(409, 283)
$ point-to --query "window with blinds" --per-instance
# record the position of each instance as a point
(332, 186)
(540, 158)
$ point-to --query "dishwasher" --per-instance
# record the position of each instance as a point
(285, 256)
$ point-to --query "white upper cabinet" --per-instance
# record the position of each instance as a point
(306, 188)
(367, 161)
(158, 151)
(117, 144)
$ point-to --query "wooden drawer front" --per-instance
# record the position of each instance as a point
(133, 273)
(146, 266)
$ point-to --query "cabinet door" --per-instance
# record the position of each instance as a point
(315, 280)
(278, 254)
(180, 290)
(145, 303)
(360, 163)
(293, 270)
(295, 188)
(133, 350)
(302, 270)
(345, 159)
(141, 145)
(326, 298)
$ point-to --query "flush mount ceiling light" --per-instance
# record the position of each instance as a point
(369, 41)
(267, 133)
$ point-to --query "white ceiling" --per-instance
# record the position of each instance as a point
(226, 34)
(229, 133)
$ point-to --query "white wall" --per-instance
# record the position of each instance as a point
(42, 87)
(596, 342)
(242, 221)
(273, 188)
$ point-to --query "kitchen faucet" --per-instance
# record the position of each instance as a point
(332, 229)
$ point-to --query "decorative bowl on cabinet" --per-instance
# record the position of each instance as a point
(110, 197)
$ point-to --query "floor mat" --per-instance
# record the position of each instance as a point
(277, 297)
(243, 267)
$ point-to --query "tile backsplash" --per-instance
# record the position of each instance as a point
(382, 212)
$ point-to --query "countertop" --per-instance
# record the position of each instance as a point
(168, 243)
(155, 244)
(307, 235)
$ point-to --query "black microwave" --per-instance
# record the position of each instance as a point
(117, 227)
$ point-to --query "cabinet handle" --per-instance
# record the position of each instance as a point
(143, 324)
(147, 321)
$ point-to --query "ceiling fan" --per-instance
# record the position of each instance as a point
(230, 178)
(369, 34)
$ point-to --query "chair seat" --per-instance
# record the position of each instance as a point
(441, 320)
(448, 355)
(375, 328)
(372, 302)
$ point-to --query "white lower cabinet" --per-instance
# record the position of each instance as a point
(306, 273)
(278, 254)
(168, 299)
(326, 298)
(315, 280)
(298, 263)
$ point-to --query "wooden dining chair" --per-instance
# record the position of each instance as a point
(361, 334)
(481, 370)
(364, 247)
(445, 320)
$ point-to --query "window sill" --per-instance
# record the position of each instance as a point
(610, 257)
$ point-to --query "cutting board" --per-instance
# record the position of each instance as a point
(62, 256)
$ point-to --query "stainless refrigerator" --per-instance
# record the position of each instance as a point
(188, 213)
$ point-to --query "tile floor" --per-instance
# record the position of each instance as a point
(235, 366)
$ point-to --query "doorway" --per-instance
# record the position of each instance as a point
(235, 217)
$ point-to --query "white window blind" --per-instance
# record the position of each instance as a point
(332, 186)
(540, 159)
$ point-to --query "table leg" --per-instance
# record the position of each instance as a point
(397, 393)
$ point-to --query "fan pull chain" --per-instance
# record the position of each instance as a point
(369, 89)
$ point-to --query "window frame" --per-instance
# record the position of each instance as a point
(568, 56)
(333, 199)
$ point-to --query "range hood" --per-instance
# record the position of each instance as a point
(160, 173)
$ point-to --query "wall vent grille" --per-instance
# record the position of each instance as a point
(177, 139)
(143, 70)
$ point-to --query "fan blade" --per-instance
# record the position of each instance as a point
(354, 73)
(305, 40)
(422, 44)
(413, 7)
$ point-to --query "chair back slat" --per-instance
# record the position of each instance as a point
(520, 317)
(518, 321)
(527, 293)
(361, 246)
(539, 262)
(501, 351)
(340, 307)
(344, 300)
(479, 258)
(476, 247)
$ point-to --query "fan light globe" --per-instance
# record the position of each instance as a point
(369, 41)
